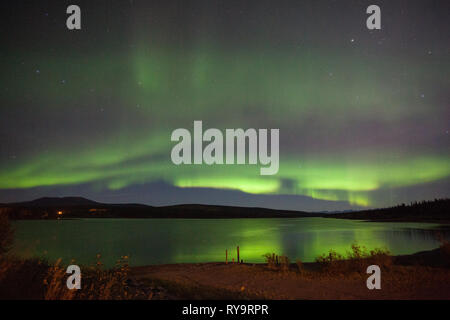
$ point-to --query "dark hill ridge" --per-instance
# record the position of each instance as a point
(47, 202)
(77, 207)
(58, 201)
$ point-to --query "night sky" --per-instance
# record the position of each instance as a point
(364, 115)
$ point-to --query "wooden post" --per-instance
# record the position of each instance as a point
(238, 254)
(226, 256)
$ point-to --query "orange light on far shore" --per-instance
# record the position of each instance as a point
(60, 213)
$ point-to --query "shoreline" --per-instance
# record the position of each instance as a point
(424, 258)
(423, 275)
(402, 220)
(442, 222)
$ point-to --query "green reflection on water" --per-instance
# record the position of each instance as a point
(158, 241)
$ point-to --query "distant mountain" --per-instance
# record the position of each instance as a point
(57, 202)
(77, 207)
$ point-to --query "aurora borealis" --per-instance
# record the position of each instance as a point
(363, 115)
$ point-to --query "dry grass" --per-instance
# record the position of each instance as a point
(356, 260)
(22, 279)
(445, 251)
(6, 234)
(299, 264)
(35, 279)
(97, 283)
(284, 263)
(277, 262)
(55, 284)
(271, 260)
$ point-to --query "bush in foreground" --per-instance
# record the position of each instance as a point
(6, 234)
(36, 279)
(356, 260)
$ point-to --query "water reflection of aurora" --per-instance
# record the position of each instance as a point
(159, 241)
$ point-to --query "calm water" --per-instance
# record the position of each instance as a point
(159, 241)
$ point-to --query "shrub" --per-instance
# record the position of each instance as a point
(36, 279)
(299, 264)
(284, 263)
(22, 279)
(380, 257)
(357, 260)
(275, 261)
(445, 251)
(97, 283)
(6, 234)
(271, 260)
(329, 258)
(55, 284)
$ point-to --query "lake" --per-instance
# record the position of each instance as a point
(161, 241)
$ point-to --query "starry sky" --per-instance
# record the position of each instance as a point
(363, 114)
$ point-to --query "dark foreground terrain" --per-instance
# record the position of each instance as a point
(424, 275)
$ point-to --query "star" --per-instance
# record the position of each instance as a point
(352, 40)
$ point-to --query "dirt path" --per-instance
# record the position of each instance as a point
(257, 281)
